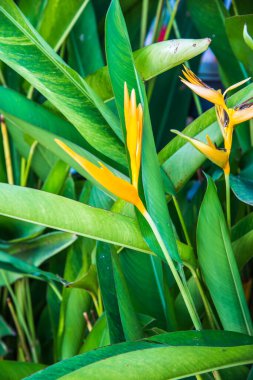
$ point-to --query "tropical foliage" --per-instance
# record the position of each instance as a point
(126, 251)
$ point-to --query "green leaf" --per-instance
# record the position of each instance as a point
(88, 281)
(56, 178)
(151, 61)
(85, 54)
(58, 20)
(98, 337)
(36, 251)
(130, 322)
(121, 69)
(108, 291)
(13, 370)
(200, 352)
(75, 302)
(30, 56)
(13, 264)
(5, 329)
(218, 265)
(235, 33)
(247, 38)
(242, 188)
(243, 249)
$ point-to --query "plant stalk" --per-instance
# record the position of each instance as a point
(181, 284)
(7, 153)
(227, 182)
(144, 19)
(181, 219)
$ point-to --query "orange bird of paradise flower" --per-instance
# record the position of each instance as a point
(105, 177)
(227, 118)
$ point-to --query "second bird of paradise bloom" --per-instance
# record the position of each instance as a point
(105, 177)
(227, 118)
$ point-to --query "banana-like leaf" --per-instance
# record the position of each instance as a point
(151, 61)
(218, 265)
(199, 352)
(13, 370)
(242, 188)
(22, 48)
(58, 19)
(61, 213)
(234, 28)
(84, 50)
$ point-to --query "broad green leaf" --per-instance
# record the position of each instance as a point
(56, 178)
(247, 38)
(57, 212)
(242, 188)
(151, 61)
(244, 226)
(199, 352)
(130, 322)
(121, 69)
(14, 370)
(16, 230)
(218, 265)
(85, 54)
(75, 302)
(235, 28)
(243, 249)
(108, 291)
(30, 56)
(36, 251)
(58, 19)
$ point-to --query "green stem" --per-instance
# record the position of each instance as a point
(144, 19)
(157, 19)
(172, 18)
(182, 286)
(25, 175)
(21, 318)
(2, 79)
(23, 344)
(235, 8)
(210, 315)
(227, 182)
(181, 219)
(55, 290)
(7, 152)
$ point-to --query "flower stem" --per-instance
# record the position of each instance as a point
(7, 153)
(144, 19)
(227, 182)
(181, 285)
(181, 219)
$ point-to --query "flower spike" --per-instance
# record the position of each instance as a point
(118, 186)
(106, 178)
(134, 124)
(218, 156)
(202, 89)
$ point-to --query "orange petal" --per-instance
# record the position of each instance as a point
(106, 178)
(219, 157)
(207, 93)
(241, 115)
(134, 125)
